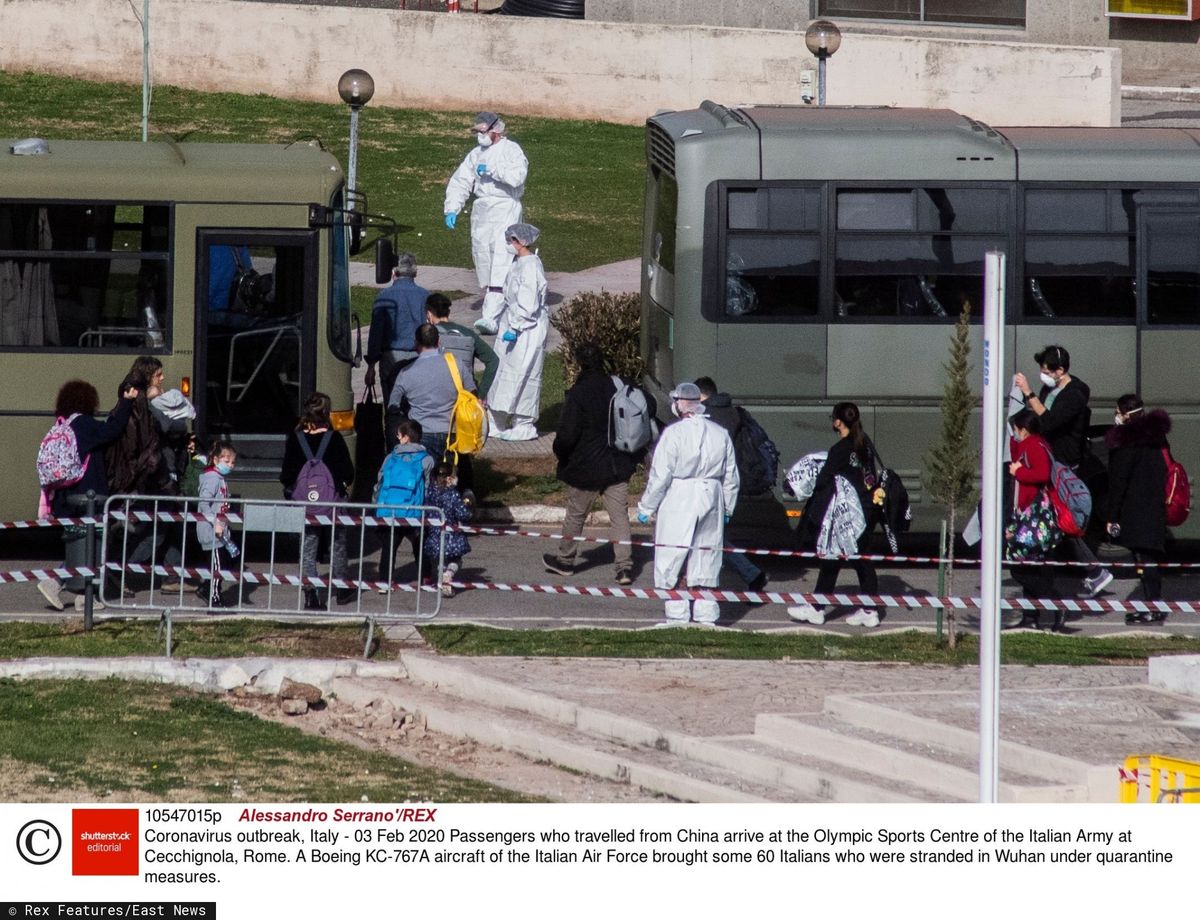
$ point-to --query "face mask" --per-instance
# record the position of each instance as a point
(512, 250)
(675, 408)
(224, 468)
(484, 140)
(1118, 419)
(1048, 380)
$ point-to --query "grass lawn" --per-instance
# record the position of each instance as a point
(585, 179)
(911, 647)
(140, 741)
(223, 639)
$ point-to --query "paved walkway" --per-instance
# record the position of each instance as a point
(616, 277)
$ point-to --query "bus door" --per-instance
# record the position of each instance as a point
(255, 332)
(1168, 282)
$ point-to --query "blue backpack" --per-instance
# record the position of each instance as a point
(403, 482)
(315, 483)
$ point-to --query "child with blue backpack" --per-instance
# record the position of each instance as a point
(443, 493)
(401, 482)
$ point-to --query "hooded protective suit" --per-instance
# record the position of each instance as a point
(516, 395)
(693, 486)
(497, 205)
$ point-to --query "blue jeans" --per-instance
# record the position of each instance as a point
(740, 563)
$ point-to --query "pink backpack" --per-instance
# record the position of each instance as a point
(58, 462)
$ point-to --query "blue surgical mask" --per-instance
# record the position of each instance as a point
(224, 468)
(484, 140)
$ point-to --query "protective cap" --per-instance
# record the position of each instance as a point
(686, 390)
(406, 264)
(485, 121)
(525, 234)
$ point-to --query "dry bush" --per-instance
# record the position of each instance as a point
(612, 321)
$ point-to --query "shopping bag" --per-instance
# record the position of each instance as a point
(369, 449)
(1033, 533)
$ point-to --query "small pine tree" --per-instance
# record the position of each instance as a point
(953, 463)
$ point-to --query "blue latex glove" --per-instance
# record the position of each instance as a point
(451, 220)
(481, 169)
(510, 335)
(728, 517)
(643, 518)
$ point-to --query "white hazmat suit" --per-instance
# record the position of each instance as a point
(693, 485)
(515, 398)
(497, 205)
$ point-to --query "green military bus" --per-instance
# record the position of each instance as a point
(803, 255)
(229, 262)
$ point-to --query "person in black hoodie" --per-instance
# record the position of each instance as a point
(1136, 514)
(720, 408)
(591, 468)
(1061, 406)
(316, 426)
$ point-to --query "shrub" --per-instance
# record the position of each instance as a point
(612, 321)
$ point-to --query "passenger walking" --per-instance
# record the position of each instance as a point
(592, 468)
(317, 468)
(466, 345)
(693, 488)
(425, 391)
(720, 408)
(401, 482)
(213, 532)
(76, 406)
(853, 459)
(1136, 514)
(398, 311)
(515, 398)
(1061, 406)
(443, 493)
(494, 173)
(1034, 524)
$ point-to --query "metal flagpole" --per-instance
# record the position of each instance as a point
(994, 394)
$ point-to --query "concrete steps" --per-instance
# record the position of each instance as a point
(858, 749)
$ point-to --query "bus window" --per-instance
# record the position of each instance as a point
(1079, 254)
(772, 252)
(1172, 257)
(339, 293)
(84, 276)
(914, 252)
(666, 208)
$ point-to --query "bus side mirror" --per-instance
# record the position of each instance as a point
(385, 261)
(354, 224)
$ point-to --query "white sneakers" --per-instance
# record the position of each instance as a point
(52, 591)
(861, 617)
(807, 613)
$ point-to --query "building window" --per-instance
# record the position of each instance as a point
(949, 12)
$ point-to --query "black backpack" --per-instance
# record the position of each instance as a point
(757, 456)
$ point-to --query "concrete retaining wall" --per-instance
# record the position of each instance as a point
(1153, 50)
(610, 71)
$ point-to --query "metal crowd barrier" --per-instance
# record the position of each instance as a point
(1154, 778)
(152, 560)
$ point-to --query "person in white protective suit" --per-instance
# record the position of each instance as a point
(693, 488)
(516, 395)
(494, 172)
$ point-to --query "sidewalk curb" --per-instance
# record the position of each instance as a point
(1162, 93)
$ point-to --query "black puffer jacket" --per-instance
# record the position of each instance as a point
(1137, 480)
(585, 460)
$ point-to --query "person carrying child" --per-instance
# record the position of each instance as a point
(213, 532)
(443, 493)
(401, 482)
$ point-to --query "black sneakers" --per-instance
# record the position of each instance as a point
(556, 565)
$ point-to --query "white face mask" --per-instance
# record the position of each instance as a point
(675, 408)
(484, 140)
(1047, 379)
(1118, 419)
(512, 250)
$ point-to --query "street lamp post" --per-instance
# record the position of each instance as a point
(356, 89)
(823, 39)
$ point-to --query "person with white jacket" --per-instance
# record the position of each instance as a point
(514, 401)
(494, 172)
(693, 488)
